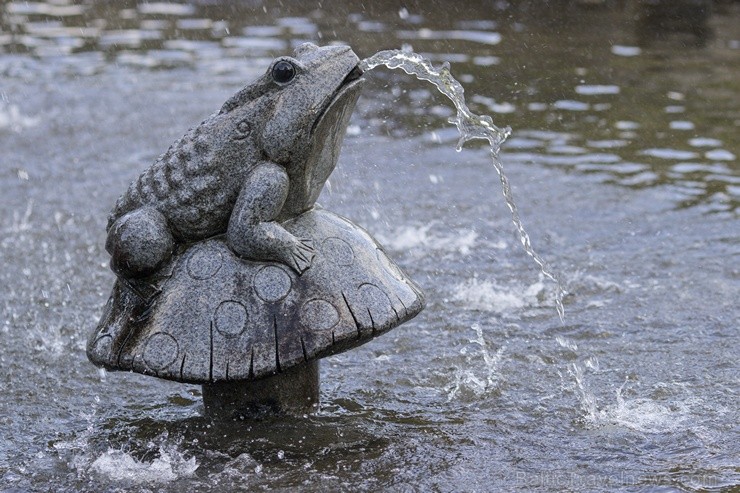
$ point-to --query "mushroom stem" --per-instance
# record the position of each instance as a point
(294, 391)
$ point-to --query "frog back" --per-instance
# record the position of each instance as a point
(194, 184)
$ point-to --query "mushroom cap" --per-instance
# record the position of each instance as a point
(212, 316)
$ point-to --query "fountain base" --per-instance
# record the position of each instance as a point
(294, 391)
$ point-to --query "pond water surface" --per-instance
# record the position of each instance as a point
(623, 160)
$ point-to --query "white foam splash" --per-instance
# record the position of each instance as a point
(410, 237)
(474, 378)
(118, 465)
(489, 296)
(638, 414)
(643, 415)
(406, 237)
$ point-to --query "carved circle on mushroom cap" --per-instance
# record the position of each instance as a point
(271, 283)
(204, 263)
(230, 318)
(319, 315)
(379, 305)
(338, 251)
(160, 351)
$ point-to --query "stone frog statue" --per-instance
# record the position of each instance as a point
(261, 159)
(226, 269)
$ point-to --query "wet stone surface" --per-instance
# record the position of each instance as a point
(217, 317)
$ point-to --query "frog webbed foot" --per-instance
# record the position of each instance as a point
(270, 242)
(301, 255)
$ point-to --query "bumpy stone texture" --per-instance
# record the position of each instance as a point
(216, 317)
(263, 158)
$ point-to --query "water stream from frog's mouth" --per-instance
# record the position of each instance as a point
(470, 126)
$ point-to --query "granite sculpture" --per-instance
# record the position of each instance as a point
(228, 273)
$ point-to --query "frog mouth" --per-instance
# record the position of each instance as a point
(350, 84)
(353, 75)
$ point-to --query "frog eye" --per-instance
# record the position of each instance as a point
(242, 130)
(283, 72)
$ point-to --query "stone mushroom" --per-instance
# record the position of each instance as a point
(252, 332)
(250, 324)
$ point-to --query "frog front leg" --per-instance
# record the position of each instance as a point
(253, 232)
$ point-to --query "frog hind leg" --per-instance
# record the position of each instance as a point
(139, 243)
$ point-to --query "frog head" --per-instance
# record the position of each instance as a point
(297, 113)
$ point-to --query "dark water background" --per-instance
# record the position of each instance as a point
(624, 165)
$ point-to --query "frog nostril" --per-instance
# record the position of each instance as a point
(242, 130)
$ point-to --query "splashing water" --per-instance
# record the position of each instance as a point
(117, 465)
(470, 126)
(478, 382)
(640, 414)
